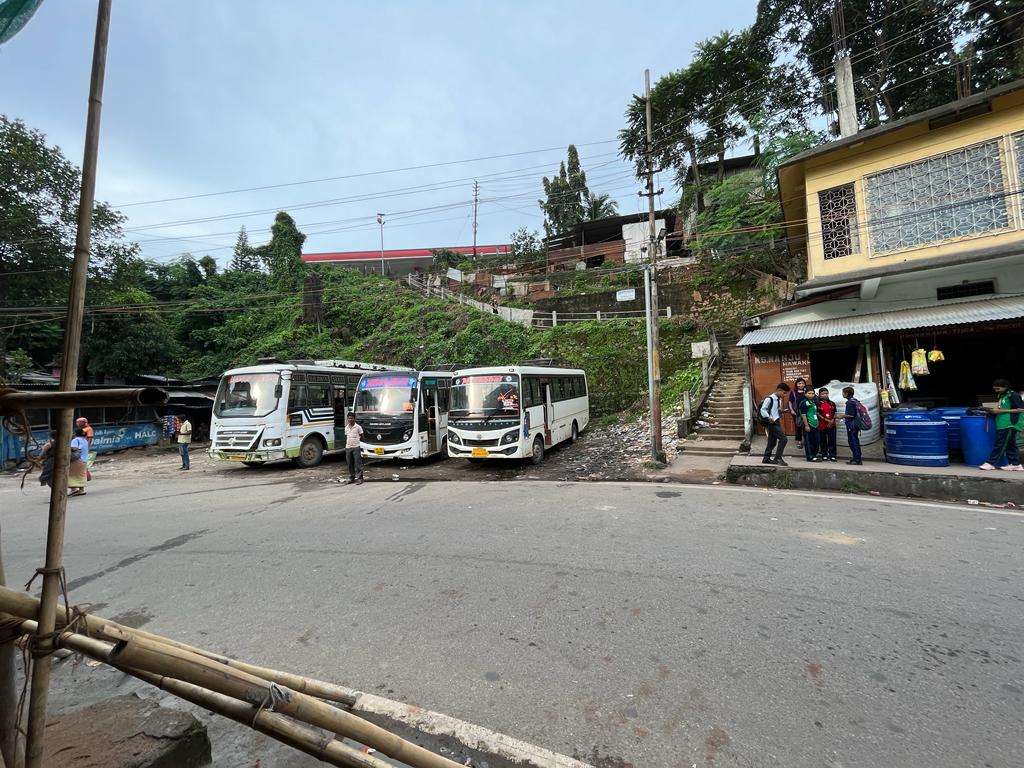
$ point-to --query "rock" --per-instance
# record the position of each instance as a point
(126, 732)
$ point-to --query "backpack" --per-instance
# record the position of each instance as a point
(863, 417)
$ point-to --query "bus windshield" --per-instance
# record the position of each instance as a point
(387, 395)
(485, 394)
(247, 394)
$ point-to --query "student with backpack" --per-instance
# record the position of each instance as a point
(1008, 425)
(808, 415)
(771, 417)
(856, 418)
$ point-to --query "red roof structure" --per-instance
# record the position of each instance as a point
(402, 253)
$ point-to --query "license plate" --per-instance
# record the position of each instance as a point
(479, 453)
(235, 457)
(379, 451)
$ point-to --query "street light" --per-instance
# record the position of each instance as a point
(380, 220)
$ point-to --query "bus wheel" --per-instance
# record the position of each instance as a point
(537, 455)
(311, 453)
(575, 434)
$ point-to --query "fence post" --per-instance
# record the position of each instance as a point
(669, 310)
(599, 315)
(554, 318)
(704, 372)
(687, 405)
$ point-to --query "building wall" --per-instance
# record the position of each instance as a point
(915, 142)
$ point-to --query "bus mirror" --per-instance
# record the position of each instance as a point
(278, 391)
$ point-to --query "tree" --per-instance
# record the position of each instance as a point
(208, 265)
(900, 51)
(244, 258)
(564, 195)
(599, 207)
(283, 254)
(124, 344)
(997, 42)
(525, 247)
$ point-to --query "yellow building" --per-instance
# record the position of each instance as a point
(914, 238)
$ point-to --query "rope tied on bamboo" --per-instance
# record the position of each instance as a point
(45, 644)
(276, 695)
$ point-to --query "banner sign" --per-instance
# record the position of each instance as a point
(626, 294)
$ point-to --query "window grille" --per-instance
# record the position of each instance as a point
(839, 236)
(957, 194)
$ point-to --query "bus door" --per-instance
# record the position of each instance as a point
(549, 413)
(340, 414)
(428, 393)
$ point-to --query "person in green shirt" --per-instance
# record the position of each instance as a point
(808, 414)
(1008, 423)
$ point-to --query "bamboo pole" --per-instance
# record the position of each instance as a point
(25, 606)
(168, 661)
(52, 573)
(13, 400)
(272, 724)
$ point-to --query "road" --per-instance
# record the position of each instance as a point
(624, 623)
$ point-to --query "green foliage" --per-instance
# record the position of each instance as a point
(244, 258)
(675, 385)
(445, 258)
(564, 195)
(122, 344)
(283, 254)
(599, 207)
(526, 247)
(14, 365)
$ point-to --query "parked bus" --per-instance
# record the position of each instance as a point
(514, 412)
(403, 415)
(284, 410)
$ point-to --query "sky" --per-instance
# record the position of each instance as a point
(208, 97)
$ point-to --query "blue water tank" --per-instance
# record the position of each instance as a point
(952, 417)
(977, 436)
(916, 439)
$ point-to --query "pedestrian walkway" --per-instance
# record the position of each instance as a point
(723, 411)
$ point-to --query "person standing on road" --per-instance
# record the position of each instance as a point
(1008, 424)
(76, 469)
(353, 453)
(852, 418)
(826, 425)
(184, 441)
(771, 417)
(83, 424)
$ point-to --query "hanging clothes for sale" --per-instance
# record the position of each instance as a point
(919, 362)
(907, 382)
(936, 356)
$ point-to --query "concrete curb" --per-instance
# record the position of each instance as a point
(458, 739)
(993, 490)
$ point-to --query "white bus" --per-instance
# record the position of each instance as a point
(403, 415)
(284, 410)
(514, 412)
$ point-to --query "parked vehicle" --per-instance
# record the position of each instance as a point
(514, 412)
(403, 415)
(285, 410)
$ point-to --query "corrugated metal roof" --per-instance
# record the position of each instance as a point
(897, 320)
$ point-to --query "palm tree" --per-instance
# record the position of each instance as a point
(599, 207)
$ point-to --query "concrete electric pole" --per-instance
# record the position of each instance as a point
(651, 285)
(476, 202)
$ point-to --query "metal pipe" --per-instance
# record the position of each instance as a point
(12, 400)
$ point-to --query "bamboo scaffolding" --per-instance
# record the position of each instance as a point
(25, 606)
(168, 661)
(272, 724)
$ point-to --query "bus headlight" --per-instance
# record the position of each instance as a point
(454, 438)
(406, 435)
(272, 441)
(510, 437)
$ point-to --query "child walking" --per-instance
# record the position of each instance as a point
(852, 418)
(1008, 425)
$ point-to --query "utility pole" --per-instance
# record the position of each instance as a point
(476, 201)
(651, 286)
(53, 572)
(380, 220)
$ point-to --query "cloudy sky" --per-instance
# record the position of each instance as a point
(207, 97)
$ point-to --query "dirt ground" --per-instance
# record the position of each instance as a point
(610, 452)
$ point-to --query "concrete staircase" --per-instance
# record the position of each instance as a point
(724, 406)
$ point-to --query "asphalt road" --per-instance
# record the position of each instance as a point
(628, 624)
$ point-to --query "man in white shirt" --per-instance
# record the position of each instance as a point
(184, 440)
(353, 456)
(771, 417)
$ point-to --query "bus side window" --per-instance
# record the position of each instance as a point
(318, 396)
(297, 397)
(583, 385)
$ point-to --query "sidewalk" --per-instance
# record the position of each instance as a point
(956, 482)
